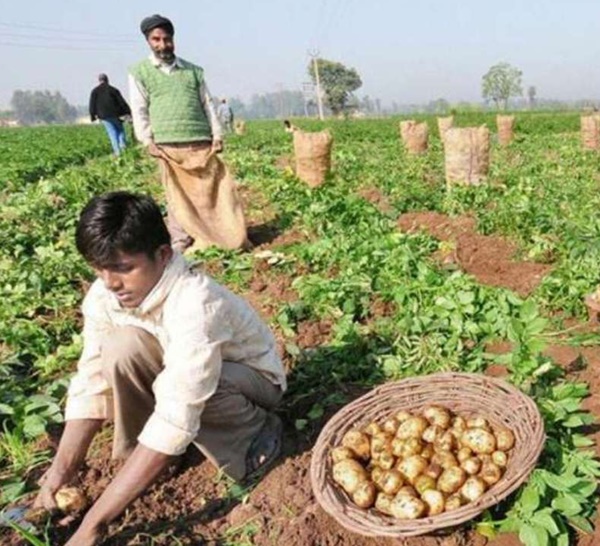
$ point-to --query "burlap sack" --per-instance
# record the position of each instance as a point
(312, 152)
(590, 132)
(506, 125)
(239, 126)
(414, 136)
(202, 195)
(467, 155)
(444, 124)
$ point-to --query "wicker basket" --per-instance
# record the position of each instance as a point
(501, 403)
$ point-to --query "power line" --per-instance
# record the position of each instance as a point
(59, 38)
(64, 30)
(64, 48)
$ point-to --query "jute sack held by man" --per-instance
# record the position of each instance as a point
(174, 117)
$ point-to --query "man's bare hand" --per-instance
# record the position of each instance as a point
(50, 483)
(217, 147)
(154, 150)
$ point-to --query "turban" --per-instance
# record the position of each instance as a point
(156, 21)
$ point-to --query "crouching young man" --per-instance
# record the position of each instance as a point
(169, 355)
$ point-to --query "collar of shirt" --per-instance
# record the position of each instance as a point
(161, 289)
(159, 64)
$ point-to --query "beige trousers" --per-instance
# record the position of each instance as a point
(231, 419)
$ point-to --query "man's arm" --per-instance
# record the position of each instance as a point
(139, 472)
(73, 447)
(93, 115)
(139, 112)
(211, 113)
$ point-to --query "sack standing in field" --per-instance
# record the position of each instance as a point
(590, 132)
(444, 124)
(506, 125)
(467, 155)
(414, 136)
(313, 156)
(239, 127)
(175, 118)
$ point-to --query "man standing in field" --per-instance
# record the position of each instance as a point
(174, 117)
(170, 356)
(225, 114)
(108, 105)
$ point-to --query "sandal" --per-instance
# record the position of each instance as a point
(265, 448)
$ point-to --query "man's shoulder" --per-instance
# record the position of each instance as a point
(187, 64)
(135, 68)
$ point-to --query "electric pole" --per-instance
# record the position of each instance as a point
(315, 54)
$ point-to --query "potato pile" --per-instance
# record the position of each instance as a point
(412, 466)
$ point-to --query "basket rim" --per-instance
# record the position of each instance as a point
(374, 524)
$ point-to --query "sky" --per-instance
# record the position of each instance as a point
(406, 52)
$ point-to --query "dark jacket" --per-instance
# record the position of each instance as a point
(106, 102)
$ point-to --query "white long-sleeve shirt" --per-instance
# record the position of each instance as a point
(138, 100)
(198, 324)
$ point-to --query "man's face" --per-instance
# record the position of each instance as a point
(131, 277)
(162, 45)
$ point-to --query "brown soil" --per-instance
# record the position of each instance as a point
(487, 258)
(378, 198)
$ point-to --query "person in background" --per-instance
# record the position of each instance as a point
(108, 105)
(175, 119)
(225, 114)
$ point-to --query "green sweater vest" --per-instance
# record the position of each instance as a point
(176, 112)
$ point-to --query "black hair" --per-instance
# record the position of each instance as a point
(118, 222)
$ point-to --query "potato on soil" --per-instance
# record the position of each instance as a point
(473, 488)
(358, 442)
(434, 501)
(451, 480)
(405, 507)
(412, 428)
(70, 500)
(438, 416)
(364, 495)
(349, 474)
(505, 439)
(479, 441)
(37, 516)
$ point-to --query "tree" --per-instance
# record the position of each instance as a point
(531, 94)
(501, 82)
(42, 107)
(337, 82)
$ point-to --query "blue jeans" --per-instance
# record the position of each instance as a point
(116, 133)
